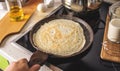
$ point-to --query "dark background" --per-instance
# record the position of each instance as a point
(92, 61)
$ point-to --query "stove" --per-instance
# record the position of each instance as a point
(90, 59)
(93, 22)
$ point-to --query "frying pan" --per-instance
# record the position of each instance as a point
(39, 57)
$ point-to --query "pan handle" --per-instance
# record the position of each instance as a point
(38, 57)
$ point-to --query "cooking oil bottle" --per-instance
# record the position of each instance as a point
(16, 13)
(15, 10)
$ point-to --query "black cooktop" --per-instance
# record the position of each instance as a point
(90, 60)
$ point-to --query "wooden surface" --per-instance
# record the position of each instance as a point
(7, 27)
(110, 51)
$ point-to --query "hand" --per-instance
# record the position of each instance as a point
(22, 65)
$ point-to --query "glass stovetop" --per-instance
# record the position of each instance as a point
(93, 22)
(89, 60)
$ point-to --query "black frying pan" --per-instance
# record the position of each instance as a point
(40, 57)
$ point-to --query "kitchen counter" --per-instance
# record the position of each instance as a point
(91, 61)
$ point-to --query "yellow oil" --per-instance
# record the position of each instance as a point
(16, 13)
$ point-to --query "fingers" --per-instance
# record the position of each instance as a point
(23, 63)
(22, 60)
(20, 65)
(35, 67)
